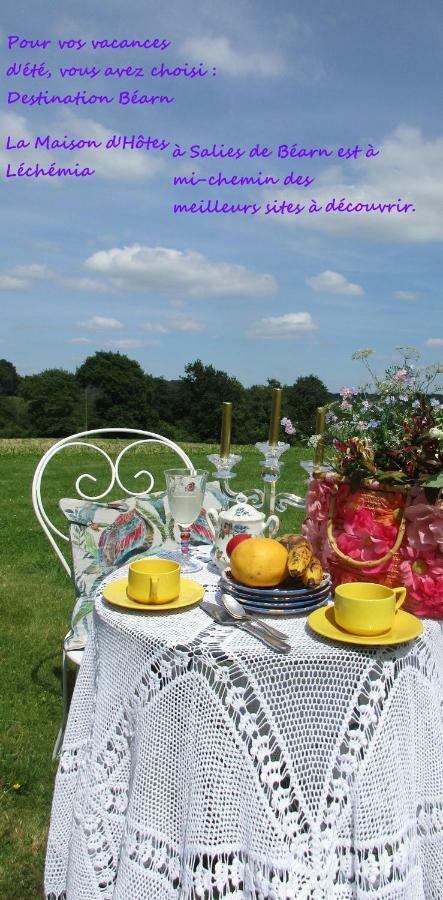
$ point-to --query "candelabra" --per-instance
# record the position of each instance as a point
(267, 498)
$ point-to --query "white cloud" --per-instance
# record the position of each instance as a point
(155, 327)
(33, 270)
(100, 323)
(219, 52)
(434, 342)
(10, 283)
(408, 167)
(289, 325)
(329, 282)
(180, 323)
(163, 269)
(120, 165)
(21, 277)
(90, 285)
(125, 343)
(183, 323)
(176, 302)
(405, 295)
(80, 340)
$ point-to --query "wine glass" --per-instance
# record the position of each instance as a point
(185, 495)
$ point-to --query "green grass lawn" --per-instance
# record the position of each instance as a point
(36, 599)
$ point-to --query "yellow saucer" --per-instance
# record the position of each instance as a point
(190, 592)
(406, 627)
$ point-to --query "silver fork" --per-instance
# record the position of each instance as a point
(222, 617)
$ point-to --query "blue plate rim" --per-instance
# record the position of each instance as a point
(270, 598)
(294, 607)
(275, 591)
(278, 611)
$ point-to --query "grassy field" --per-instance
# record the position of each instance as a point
(36, 599)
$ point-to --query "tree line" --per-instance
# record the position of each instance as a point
(111, 390)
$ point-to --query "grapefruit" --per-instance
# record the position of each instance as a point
(237, 539)
(261, 562)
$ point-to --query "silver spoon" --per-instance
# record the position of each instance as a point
(235, 609)
(220, 615)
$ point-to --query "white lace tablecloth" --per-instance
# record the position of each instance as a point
(199, 764)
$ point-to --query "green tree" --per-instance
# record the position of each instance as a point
(120, 392)
(14, 419)
(201, 392)
(168, 409)
(9, 379)
(53, 402)
(251, 418)
(302, 400)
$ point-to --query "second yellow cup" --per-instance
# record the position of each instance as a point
(153, 580)
(365, 608)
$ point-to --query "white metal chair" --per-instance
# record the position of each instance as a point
(59, 540)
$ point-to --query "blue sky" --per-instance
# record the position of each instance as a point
(103, 262)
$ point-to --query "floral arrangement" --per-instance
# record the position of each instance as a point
(390, 430)
(386, 444)
(365, 532)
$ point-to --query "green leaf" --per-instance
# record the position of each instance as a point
(436, 482)
(391, 476)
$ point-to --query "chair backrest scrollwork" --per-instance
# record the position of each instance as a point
(51, 531)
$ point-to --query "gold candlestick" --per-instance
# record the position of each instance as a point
(274, 425)
(225, 439)
(320, 428)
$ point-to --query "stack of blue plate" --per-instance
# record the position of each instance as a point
(277, 601)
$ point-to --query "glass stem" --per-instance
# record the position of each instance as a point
(185, 537)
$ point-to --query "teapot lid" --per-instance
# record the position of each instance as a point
(242, 511)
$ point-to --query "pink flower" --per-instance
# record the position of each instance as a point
(423, 576)
(425, 525)
(346, 393)
(315, 533)
(364, 538)
(345, 405)
(400, 375)
(314, 526)
(317, 501)
(287, 425)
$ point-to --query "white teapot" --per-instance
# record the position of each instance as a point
(242, 518)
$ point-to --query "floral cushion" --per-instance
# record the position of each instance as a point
(105, 536)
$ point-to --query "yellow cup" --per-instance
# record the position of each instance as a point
(153, 580)
(367, 609)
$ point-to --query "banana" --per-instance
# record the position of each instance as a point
(313, 574)
(290, 540)
(299, 558)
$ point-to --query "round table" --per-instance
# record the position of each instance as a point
(199, 764)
